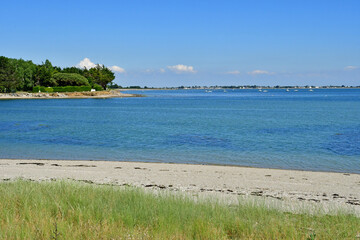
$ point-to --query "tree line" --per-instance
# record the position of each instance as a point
(22, 75)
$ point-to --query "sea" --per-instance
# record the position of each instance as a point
(315, 130)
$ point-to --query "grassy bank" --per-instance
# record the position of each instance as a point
(72, 210)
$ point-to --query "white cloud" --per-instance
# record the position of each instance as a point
(162, 70)
(236, 72)
(349, 68)
(117, 69)
(180, 68)
(260, 72)
(86, 63)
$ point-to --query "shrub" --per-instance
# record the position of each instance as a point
(72, 89)
(37, 88)
(70, 79)
(62, 89)
(97, 87)
(49, 89)
(42, 89)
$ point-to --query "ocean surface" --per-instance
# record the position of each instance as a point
(309, 130)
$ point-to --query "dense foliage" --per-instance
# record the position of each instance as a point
(63, 89)
(21, 75)
(70, 79)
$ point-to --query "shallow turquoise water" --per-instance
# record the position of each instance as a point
(317, 130)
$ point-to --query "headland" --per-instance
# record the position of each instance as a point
(70, 95)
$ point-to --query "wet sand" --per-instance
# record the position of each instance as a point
(341, 190)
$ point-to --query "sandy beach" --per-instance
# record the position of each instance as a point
(287, 187)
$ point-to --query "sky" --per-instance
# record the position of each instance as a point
(185, 43)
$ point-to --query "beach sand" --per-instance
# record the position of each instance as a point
(288, 189)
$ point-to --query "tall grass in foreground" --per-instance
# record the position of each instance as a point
(72, 210)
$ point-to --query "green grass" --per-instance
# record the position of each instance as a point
(72, 210)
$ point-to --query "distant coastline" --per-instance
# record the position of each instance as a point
(132, 88)
(117, 92)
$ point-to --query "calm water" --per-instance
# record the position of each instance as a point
(317, 130)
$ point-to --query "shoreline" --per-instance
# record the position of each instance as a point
(226, 88)
(278, 186)
(67, 95)
(186, 163)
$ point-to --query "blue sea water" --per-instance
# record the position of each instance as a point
(318, 130)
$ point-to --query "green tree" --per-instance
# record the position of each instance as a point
(114, 86)
(18, 74)
(101, 75)
(70, 79)
(73, 70)
(43, 75)
(10, 78)
(26, 70)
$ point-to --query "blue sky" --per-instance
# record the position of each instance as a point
(173, 43)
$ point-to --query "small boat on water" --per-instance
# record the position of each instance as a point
(265, 91)
(287, 90)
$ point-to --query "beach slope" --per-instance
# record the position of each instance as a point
(226, 182)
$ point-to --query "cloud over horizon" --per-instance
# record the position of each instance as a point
(235, 72)
(349, 68)
(260, 72)
(180, 68)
